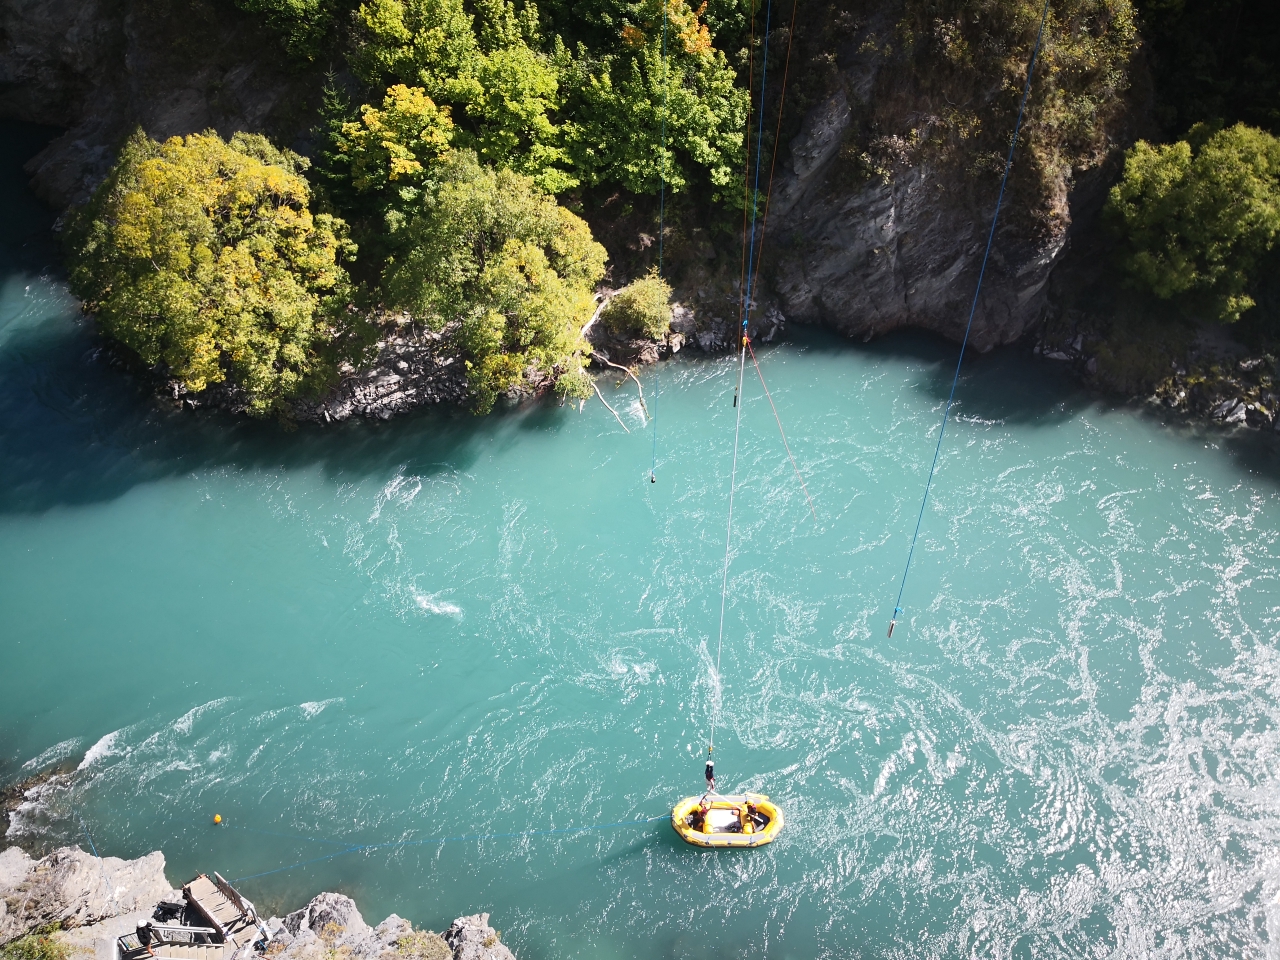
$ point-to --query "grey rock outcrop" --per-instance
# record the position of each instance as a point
(97, 900)
(893, 254)
(71, 888)
(413, 370)
(332, 921)
(889, 255)
(473, 939)
(870, 229)
(330, 924)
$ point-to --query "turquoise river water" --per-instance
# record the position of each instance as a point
(446, 626)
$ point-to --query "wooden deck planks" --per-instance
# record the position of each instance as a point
(238, 928)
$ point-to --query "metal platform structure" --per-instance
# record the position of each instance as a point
(212, 923)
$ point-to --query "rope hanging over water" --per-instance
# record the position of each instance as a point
(982, 272)
(742, 366)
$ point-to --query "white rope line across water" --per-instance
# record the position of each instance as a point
(728, 535)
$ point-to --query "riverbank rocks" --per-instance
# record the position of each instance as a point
(473, 939)
(332, 922)
(97, 900)
(331, 925)
(71, 888)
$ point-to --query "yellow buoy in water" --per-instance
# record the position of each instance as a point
(713, 820)
(217, 818)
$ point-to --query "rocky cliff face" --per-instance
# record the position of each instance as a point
(93, 901)
(882, 209)
(70, 888)
(100, 68)
(889, 255)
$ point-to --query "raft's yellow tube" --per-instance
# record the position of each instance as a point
(680, 821)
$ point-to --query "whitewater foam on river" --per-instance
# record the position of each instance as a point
(448, 625)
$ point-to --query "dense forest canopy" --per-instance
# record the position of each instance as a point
(1215, 61)
(457, 138)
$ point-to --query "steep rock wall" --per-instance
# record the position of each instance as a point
(885, 255)
(881, 210)
(100, 68)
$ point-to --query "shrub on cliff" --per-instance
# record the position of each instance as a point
(640, 309)
(203, 256)
(423, 945)
(43, 944)
(967, 60)
(1196, 216)
(488, 254)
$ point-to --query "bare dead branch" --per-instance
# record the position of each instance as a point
(610, 409)
(600, 358)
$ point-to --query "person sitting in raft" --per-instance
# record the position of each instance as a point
(697, 819)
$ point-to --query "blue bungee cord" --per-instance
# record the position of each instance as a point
(946, 414)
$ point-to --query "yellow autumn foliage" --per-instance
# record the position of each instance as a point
(203, 258)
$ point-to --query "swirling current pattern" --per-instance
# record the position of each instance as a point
(447, 626)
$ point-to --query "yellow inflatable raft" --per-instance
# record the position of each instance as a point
(746, 820)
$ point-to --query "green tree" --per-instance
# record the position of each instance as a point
(1197, 215)
(640, 309)
(503, 90)
(203, 256)
(303, 25)
(496, 261)
(390, 153)
(620, 101)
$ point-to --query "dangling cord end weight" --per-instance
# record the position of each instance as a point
(894, 622)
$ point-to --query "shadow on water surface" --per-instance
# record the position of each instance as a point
(1008, 386)
(74, 430)
(1000, 386)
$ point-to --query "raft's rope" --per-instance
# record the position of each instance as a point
(748, 291)
(946, 414)
(754, 281)
(662, 209)
(743, 278)
(435, 841)
(742, 366)
(786, 445)
(728, 534)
